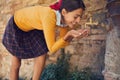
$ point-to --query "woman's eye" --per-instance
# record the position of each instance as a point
(75, 17)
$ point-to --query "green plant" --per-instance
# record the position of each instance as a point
(84, 74)
(62, 68)
(61, 71)
(57, 71)
(49, 72)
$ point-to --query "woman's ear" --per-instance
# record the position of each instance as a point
(63, 12)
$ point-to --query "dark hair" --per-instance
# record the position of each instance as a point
(71, 5)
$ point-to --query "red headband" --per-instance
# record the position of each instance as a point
(57, 5)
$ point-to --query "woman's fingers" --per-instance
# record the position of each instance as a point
(74, 33)
(83, 33)
(70, 35)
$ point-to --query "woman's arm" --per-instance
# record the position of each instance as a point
(49, 26)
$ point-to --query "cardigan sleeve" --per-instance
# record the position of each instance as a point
(49, 26)
(62, 31)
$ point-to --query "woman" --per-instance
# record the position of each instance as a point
(30, 33)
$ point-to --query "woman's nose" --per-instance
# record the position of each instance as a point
(78, 20)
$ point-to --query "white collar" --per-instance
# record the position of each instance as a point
(58, 17)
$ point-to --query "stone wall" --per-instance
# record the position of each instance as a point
(86, 52)
(112, 55)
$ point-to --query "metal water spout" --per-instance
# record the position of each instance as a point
(91, 22)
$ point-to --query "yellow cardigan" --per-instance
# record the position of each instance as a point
(41, 18)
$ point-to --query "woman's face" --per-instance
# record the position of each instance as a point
(72, 18)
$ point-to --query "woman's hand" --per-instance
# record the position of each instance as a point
(84, 33)
(76, 34)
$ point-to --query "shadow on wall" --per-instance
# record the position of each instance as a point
(113, 7)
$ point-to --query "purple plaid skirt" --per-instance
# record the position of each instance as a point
(22, 44)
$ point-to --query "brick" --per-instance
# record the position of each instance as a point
(96, 37)
(97, 31)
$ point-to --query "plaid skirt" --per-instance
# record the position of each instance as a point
(22, 44)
